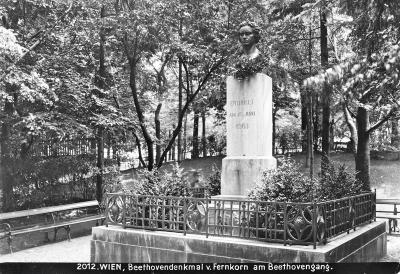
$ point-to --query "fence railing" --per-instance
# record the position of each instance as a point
(281, 222)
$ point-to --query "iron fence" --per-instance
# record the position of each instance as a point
(281, 222)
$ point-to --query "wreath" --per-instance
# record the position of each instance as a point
(246, 67)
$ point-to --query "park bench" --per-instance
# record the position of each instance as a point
(391, 215)
(49, 218)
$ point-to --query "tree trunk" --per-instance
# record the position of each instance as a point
(180, 94)
(310, 129)
(173, 148)
(331, 134)
(100, 163)
(353, 129)
(326, 93)
(362, 155)
(195, 140)
(180, 91)
(395, 137)
(304, 121)
(171, 151)
(139, 148)
(100, 130)
(316, 123)
(203, 133)
(158, 131)
(147, 138)
(184, 138)
(189, 100)
(109, 147)
(7, 181)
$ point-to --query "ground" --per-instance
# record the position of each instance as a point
(384, 176)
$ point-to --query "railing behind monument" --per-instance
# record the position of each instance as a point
(282, 222)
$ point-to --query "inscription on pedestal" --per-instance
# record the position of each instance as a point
(249, 108)
(249, 133)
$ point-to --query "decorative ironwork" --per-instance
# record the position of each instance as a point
(114, 209)
(282, 222)
(196, 215)
(300, 224)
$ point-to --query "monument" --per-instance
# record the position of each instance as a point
(248, 119)
(153, 238)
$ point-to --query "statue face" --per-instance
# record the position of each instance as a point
(246, 36)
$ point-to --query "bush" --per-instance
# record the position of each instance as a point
(288, 183)
(58, 180)
(216, 144)
(337, 182)
(285, 183)
(214, 181)
(162, 183)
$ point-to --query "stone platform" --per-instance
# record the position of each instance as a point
(115, 244)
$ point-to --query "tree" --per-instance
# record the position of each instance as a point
(52, 81)
(370, 84)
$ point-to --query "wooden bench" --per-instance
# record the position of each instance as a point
(48, 218)
(390, 215)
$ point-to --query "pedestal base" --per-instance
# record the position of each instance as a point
(117, 245)
(240, 174)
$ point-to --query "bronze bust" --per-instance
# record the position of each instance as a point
(249, 59)
(249, 36)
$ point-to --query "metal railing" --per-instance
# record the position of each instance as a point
(281, 222)
(391, 215)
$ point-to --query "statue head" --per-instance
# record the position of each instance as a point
(249, 34)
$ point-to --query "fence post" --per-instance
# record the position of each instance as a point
(285, 223)
(107, 210)
(207, 216)
(185, 203)
(124, 211)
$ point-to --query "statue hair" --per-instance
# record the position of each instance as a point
(256, 29)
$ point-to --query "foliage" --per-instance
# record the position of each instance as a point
(246, 67)
(288, 183)
(216, 144)
(337, 182)
(214, 181)
(288, 139)
(162, 183)
(285, 183)
(51, 181)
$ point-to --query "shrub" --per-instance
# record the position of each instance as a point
(337, 182)
(214, 181)
(58, 180)
(288, 183)
(162, 183)
(216, 144)
(285, 183)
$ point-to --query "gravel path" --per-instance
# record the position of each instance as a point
(76, 250)
(393, 248)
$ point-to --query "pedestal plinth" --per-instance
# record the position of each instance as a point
(249, 134)
(240, 174)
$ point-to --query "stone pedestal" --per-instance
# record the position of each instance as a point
(117, 245)
(239, 174)
(249, 134)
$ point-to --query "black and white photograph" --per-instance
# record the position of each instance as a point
(199, 136)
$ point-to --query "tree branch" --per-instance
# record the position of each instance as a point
(37, 43)
(391, 113)
(189, 100)
(187, 89)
